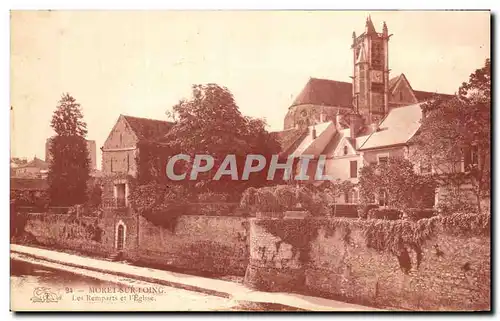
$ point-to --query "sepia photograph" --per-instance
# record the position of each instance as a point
(250, 161)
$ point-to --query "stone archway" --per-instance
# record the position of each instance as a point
(120, 236)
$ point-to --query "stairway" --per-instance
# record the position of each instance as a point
(116, 256)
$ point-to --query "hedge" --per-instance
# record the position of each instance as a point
(416, 214)
(364, 209)
(385, 213)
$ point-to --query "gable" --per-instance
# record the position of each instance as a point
(401, 91)
(121, 136)
(344, 145)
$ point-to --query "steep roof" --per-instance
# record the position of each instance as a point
(290, 139)
(148, 129)
(397, 128)
(325, 92)
(426, 95)
(393, 81)
(419, 94)
(36, 162)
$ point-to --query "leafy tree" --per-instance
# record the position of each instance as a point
(404, 188)
(211, 123)
(69, 168)
(452, 129)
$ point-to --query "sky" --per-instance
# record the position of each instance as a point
(141, 63)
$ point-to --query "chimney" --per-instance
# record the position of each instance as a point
(313, 132)
(321, 118)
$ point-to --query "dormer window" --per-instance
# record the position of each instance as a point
(346, 150)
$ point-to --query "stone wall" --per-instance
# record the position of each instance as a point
(63, 231)
(211, 244)
(453, 272)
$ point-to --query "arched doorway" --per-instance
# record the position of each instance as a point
(120, 236)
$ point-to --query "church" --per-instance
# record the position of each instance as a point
(368, 120)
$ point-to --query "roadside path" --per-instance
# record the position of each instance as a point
(212, 287)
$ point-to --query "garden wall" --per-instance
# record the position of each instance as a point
(332, 258)
(211, 244)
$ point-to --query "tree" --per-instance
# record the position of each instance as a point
(69, 168)
(454, 130)
(211, 123)
(403, 187)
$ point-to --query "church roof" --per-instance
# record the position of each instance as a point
(148, 129)
(325, 92)
(397, 128)
(426, 95)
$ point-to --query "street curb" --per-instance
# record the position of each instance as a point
(132, 276)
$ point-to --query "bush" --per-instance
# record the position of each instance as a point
(210, 197)
(416, 214)
(344, 210)
(281, 198)
(364, 209)
(215, 209)
(384, 213)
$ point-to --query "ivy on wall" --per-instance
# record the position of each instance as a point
(396, 237)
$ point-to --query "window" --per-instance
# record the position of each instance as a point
(121, 139)
(111, 162)
(346, 150)
(120, 195)
(354, 169)
(382, 198)
(383, 158)
(400, 96)
(128, 162)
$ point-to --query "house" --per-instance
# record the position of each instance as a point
(367, 121)
(121, 151)
(36, 168)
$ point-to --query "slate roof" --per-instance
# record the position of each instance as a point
(420, 95)
(397, 128)
(325, 92)
(290, 139)
(426, 95)
(148, 129)
(28, 184)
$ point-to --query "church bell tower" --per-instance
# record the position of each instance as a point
(371, 73)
